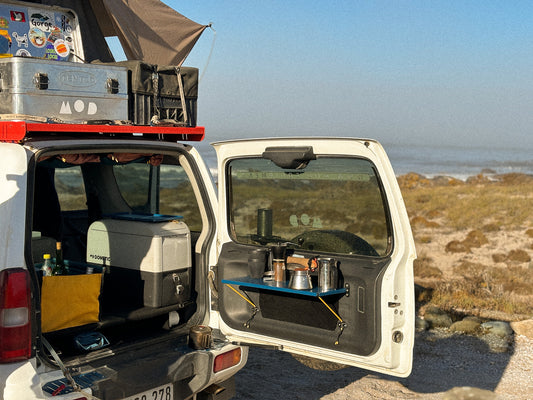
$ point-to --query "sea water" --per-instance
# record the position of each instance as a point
(459, 162)
(431, 161)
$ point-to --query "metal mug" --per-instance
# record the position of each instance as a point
(300, 279)
(327, 273)
(200, 337)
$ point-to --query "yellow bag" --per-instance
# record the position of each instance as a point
(69, 300)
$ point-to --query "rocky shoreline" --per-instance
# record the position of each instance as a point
(497, 334)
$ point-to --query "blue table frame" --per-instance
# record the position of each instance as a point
(281, 287)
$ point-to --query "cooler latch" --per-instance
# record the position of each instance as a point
(40, 80)
(179, 285)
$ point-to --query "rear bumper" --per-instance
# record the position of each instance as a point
(189, 371)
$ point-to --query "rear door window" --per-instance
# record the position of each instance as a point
(70, 188)
(163, 189)
(335, 204)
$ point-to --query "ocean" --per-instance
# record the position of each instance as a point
(431, 161)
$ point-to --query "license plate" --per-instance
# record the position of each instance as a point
(164, 392)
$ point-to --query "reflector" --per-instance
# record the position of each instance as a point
(226, 360)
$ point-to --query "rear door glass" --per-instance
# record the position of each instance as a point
(163, 189)
(70, 188)
(335, 204)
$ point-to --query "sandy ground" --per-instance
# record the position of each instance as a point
(441, 362)
(500, 242)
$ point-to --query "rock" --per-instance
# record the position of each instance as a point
(421, 324)
(446, 181)
(434, 214)
(473, 318)
(456, 246)
(498, 328)
(524, 328)
(469, 393)
(497, 344)
(468, 326)
(491, 227)
(413, 180)
(515, 178)
(499, 257)
(518, 256)
(422, 268)
(423, 294)
(423, 222)
(479, 179)
(475, 238)
(437, 318)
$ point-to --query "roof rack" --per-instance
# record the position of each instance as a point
(18, 131)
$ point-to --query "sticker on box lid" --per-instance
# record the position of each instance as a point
(54, 35)
(23, 53)
(5, 43)
(37, 37)
(50, 52)
(22, 40)
(61, 48)
(41, 19)
(17, 16)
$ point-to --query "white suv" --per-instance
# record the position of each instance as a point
(306, 248)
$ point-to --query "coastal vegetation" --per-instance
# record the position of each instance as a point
(474, 240)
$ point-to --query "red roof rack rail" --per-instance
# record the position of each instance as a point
(17, 131)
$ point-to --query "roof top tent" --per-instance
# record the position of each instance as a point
(148, 30)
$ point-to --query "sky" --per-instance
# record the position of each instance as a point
(435, 72)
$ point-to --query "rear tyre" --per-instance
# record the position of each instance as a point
(315, 363)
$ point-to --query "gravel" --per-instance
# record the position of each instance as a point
(442, 361)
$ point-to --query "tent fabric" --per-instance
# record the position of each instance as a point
(148, 29)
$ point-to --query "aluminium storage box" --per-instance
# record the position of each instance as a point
(63, 91)
(164, 92)
(147, 263)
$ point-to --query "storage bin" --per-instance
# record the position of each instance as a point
(155, 91)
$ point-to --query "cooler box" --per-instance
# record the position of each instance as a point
(148, 261)
(63, 91)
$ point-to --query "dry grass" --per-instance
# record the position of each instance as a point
(476, 271)
(504, 203)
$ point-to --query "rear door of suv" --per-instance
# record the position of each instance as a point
(321, 201)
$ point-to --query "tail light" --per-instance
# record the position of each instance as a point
(15, 306)
(227, 360)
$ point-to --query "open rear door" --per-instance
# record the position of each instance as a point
(329, 202)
